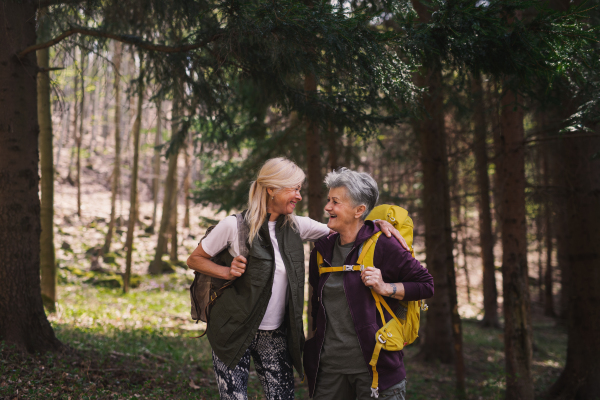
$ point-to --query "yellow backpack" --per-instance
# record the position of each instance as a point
(403, 328)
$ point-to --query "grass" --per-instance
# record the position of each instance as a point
(142, 345)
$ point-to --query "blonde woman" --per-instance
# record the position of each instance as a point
(260, 316)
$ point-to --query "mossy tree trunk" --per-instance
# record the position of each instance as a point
(44, 110)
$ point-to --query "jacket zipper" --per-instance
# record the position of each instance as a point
(325, 316)
(350, 308)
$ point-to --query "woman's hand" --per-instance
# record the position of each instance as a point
(238, 267)
(371, 277)
(388, 230)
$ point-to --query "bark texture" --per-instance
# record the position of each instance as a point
(511, 194)
(22, 318)
(581, 189)
(47, 255)
(486, 237)
(431, 133)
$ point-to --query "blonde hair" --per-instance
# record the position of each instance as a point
(277, 173)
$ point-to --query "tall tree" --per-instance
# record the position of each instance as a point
(314, 178)
(515, 287)
(443, 331)
(44, 109)
(116, 175)
(170, 197)
(486, 236)
(548, 280)
(22, 318)
(187, 178)
(133, 196)
(80, 136)
(580, 187)
(156, 162)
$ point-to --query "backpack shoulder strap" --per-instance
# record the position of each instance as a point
(243, 233)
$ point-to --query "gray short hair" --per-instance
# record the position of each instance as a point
(361, 187)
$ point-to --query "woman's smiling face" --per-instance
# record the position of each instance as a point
(285, 201)
(341, 211)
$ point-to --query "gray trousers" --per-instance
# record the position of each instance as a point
(332, 386)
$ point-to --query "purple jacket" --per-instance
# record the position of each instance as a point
(396, 265)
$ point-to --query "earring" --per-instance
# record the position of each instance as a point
(273, 198)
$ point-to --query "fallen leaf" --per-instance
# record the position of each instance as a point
(193, 385)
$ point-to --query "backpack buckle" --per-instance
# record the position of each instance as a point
(348, 268)
(362, 268)
(375, 392)
(381, 339)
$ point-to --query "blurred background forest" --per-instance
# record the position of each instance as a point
(478, 117)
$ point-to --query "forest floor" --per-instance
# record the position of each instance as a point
(143, 345)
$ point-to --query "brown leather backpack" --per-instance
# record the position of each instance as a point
(205, 290)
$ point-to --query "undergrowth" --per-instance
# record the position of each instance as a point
(143, 345)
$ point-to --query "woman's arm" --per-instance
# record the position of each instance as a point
(371, 277)
(312, 230)
(199, 261)
(401, 270)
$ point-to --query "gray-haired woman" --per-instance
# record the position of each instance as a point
(345, 320)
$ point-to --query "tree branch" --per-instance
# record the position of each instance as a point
(48, 3)
(128, 39)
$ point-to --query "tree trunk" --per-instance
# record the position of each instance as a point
(562, 255)
(443, 333)
(581, 187)
(95, 99)
(47, 257)
(486, 237)
(539, 238)
(156, 162)
(75, 119)
(314, 179)
(80, 137)
(22, 318)
(173, 225)
(117, 163)
(186, 186)
(134, 180)
(332, 146)
(511, 193)
(548, 285)
(170, 187)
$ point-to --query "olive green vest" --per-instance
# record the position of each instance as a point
(237, 314)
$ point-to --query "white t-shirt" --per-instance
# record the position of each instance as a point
(225, 234)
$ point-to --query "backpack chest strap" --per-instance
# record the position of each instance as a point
(365, 258)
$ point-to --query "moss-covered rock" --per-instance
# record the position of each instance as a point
(110, 258)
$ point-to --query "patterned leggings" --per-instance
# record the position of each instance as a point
(273, 365)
